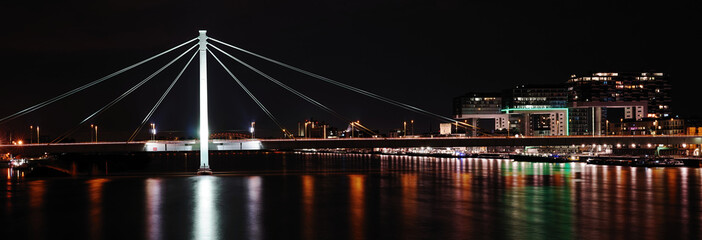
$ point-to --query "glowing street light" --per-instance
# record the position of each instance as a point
(253, 125)
(412, 122)
(38, 139)
(404, 128)
(606, 127)
(31, 134)
(153, 131)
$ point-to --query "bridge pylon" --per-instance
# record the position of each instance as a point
(204, 126)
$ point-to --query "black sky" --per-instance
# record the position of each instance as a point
(422, 53)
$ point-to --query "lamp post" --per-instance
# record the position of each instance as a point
(96, 128)
(153, 131)
(404, 128)
(412, 122)
(606, 127)
(31, 133)
(38, 138)
(253, 125)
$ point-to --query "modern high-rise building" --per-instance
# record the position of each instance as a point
(477, 103)
(537, 109)
(585, 105)
(483, 110)
(597, 98)
(650, 90)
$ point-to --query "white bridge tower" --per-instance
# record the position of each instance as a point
(204, 126)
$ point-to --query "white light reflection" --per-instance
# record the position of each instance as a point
(95, 188)
(153, 207)
(254, 207)
(684, 192)
(205, 212)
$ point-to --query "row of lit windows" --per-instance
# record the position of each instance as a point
(578, 79)
(591, 79)
(600, 74)
(530, 98)
(629, 86)
(478, 99)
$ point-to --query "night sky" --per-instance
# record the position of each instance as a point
(422, 53)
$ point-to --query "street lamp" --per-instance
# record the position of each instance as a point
(606, 127)
(96, 128)
(153, 131)
(38, 139)
(404, 128)
(31, 133)
(253, 124)
(412, 122)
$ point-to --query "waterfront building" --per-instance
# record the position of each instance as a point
(597, 99)
(648, 93)
(647, 126)
(482, 110)
(585, 105)
(537, 109)
(538, 121)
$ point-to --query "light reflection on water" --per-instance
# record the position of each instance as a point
(95, 193)
(357, 205)
(307, 207)
(153, 209)
(206, 215)
(254, 207)
(366, 197)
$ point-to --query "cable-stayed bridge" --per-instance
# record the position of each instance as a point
(203, 45)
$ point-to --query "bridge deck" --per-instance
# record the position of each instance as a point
(289, 144)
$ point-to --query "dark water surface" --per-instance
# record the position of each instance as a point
(334, 196)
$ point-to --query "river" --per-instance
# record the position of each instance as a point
(359, 196)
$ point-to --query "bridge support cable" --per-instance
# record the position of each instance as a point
(286, 87)
(160, 100)
(125, 94)
(348, 87)
(81, 88)
(260, 105)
